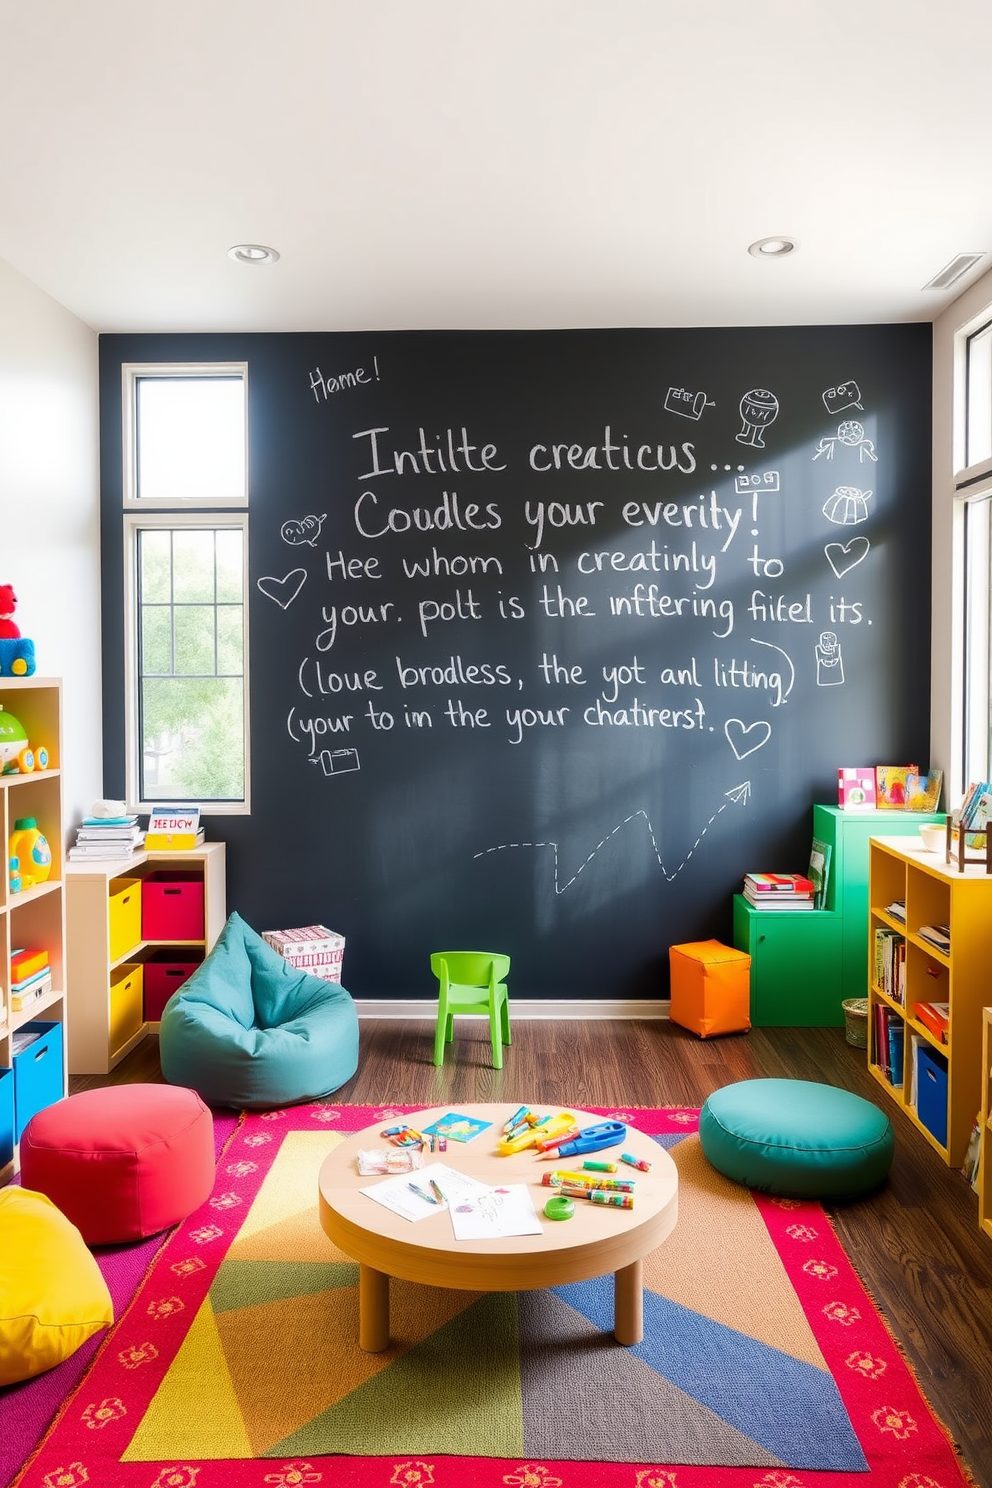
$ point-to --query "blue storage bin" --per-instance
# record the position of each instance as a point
(37, 1073)
(6, 1117)
(931, 1092)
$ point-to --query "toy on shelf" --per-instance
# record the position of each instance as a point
(16, 651)
(28, 846)
(17, 756)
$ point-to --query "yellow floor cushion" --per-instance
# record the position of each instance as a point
(52, 1295)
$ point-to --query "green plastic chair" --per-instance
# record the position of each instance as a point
(472, 982)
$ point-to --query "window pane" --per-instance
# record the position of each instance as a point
(193, 739)
(156, 566)
(978, 436)
(156, 639)
(230, 565)
(978, 641)
(191, 666)
(190, 438)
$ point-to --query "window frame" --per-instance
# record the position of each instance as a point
(972, 492)
(176, 515)
(131, 374)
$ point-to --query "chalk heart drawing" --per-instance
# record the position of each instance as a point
(842, 557)
(284, 591)
(743, 738)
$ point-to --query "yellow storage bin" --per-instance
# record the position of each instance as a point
(126, 1004)
(125, 916)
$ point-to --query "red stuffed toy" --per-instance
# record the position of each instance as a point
(8, 604)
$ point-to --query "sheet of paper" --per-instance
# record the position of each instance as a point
(495, 1213)
(411, 1196)
(456, 1127)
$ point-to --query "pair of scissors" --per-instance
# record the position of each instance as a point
(594, 1138)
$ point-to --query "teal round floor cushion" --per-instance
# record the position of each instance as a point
(250, 1031)
(796, 1138)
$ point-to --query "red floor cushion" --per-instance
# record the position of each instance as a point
(122, 1162)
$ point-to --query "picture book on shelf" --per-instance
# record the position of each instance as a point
(923, 791)
(818, 871)
(856, 788)
(892, 786)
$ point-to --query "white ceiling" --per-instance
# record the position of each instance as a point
(493, 163)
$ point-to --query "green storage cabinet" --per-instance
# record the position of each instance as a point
(795, 965)
(848, 833)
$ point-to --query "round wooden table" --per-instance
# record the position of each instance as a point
(597, 1240)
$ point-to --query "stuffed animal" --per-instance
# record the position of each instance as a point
(8, 604)
(16, 652)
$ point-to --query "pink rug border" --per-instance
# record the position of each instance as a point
(905, 1444)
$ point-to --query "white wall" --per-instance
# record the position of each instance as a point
(971, 309)
(50, 512)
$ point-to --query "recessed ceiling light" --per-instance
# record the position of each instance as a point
(772, 247)
(953, 271)
(252, 253)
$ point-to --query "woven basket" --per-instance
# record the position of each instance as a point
(856, 1021)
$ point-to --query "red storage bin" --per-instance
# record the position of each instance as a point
(164, 974)
(172, 906)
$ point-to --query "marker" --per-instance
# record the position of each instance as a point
(550, 1143)
(437, 1193)
(427, 1198)
(598, 1167)
(636, 1162)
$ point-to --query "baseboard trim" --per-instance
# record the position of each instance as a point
(520, 1009)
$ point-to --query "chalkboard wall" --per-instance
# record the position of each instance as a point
(555, 635)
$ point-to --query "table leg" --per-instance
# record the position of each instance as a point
(628, 1304)
(373, 1310)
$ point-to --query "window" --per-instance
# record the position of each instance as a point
(185, 528)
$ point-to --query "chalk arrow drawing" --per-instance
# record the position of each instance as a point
(737, 796)
(284, 591)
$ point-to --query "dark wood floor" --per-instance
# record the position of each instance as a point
(915, 1244)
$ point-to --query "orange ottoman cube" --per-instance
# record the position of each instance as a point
(711, 987)
(122, 1162)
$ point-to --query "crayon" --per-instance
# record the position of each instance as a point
(515, 1119)
(616, 1200)
(427, 1198)
(590, 1180)
(550, 1143)
(636, 1162)
(599, 1167)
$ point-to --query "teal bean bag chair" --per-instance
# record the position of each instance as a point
(250, 1031)
(796, 1138)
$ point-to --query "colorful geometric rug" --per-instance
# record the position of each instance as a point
(764, 1364)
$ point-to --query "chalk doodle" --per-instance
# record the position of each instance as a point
(307, 531)
(685, 404)
(284, 591)
(847, 506)
(829, 661)
(758, 409)
(851, 434)
(844, 395)
(738, 795)
(746, 738)
(842, 557)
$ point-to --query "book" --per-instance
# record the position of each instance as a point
(33, 992)
(777, 903)
(897, 1038)
(923, 791)
(891, 786)
(897, 909)
(937, 935)
(818, 871)
(856, 788)
(777, 883)
(456, 1127)
(934, 1016)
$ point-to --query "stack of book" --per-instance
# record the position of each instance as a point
(106, 837)
(30, 978)
(779, 891)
